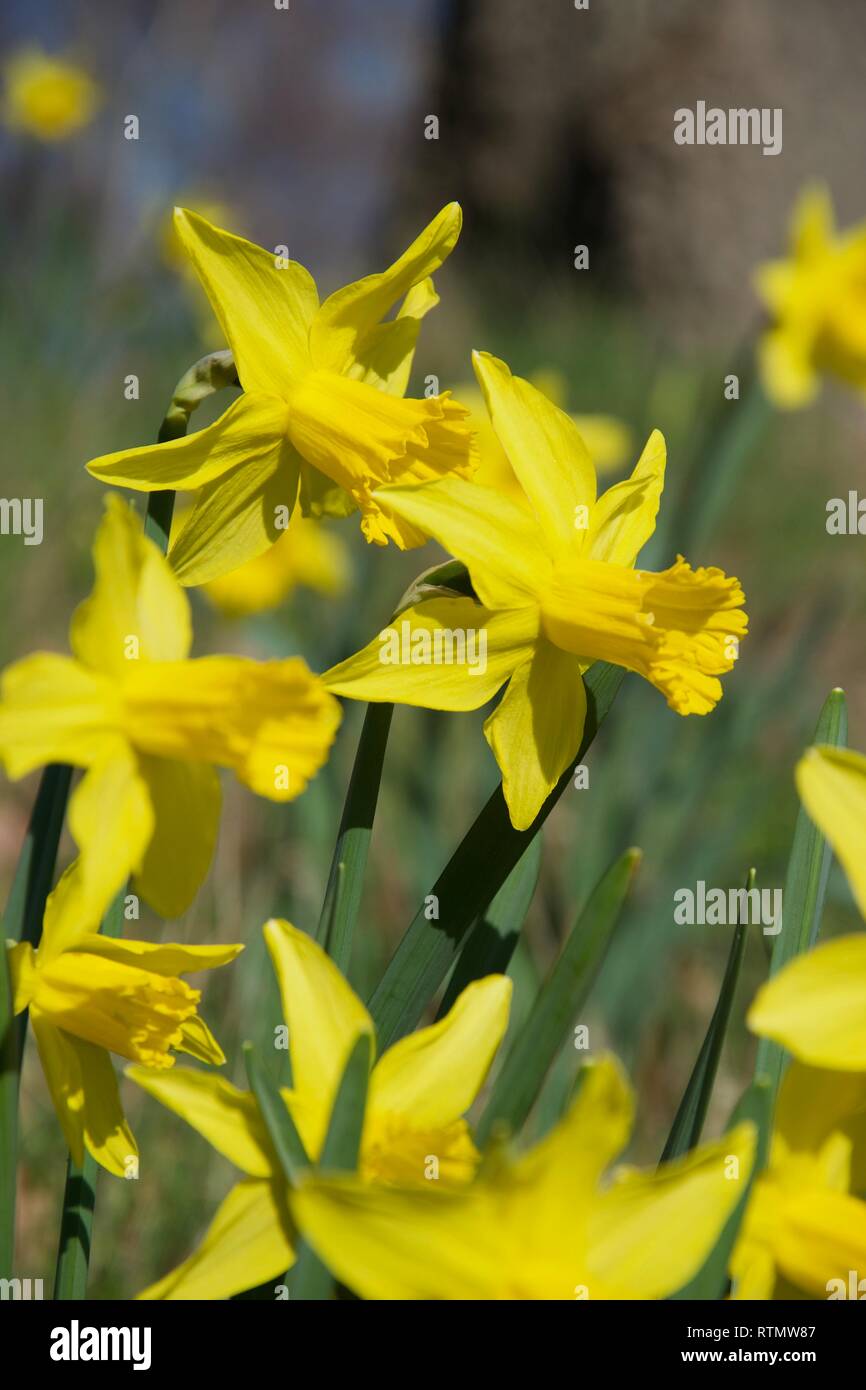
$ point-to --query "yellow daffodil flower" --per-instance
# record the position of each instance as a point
(47, 97)
(557, 589)
(89, 996)
(816, 1005)
(804, 1228)
(817, 304)
(150, 726)
(419, 1091)
(306, 555)
(608, 440)
(322, 411)
(542, 1227)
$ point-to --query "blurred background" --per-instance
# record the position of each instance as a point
(306, 127)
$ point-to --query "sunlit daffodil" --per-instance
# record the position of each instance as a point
(307, 555)
(817, 304)
(558, 590)
(541, 1227)
(47, 97)
(805, 1228)
(608, 440)
(151, 726)
(322, 416)
(419, 1091)
(91, 995)
(816, 1005)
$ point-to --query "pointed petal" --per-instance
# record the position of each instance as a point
(264, 311)
(248, 1243)
(325, 1017)
(433, 1076)
(832, 787)
(624, 517)
(84, 1090)
(52, 709)
(199, 1042)
(383, 358)
(341, 326)
(227, 1118)
(238, 516)
(631, 1250)
(271, 722)
(544, 448)
(387, 1243)
(821, 1236)
(498, 541)
(186, 799)
(385, 668)
(111, 818)
(169, 958)
(249, 432)
(135, 596)
(816, 1006)
(536, 729)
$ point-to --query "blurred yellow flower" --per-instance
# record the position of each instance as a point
(90, 995)
(47, 97)
(816, 1005)
(543, 1227)
(322, 415)
(608, 441)
(805, 1229)
(306, 555)
(558, 590)
(817, 304)
(418, 1093)
(151, 726)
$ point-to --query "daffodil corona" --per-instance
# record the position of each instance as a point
(419, 1091)
(542, 1227)
(322, 416)
(558, 589)
(91, 995)
(151, 726)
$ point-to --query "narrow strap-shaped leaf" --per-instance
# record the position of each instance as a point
(493, 939)
(309, 1278)
(689, 1119)
(564, 992)
(346, 880)
(472, 878)
(803, 897)
(275, 1113)
(34, 873)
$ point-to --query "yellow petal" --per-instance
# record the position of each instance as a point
(401, 662)
(342, 324)
(163, 958)
(679, 629)
(787, 371)
(543, 446)
(137, 608)
(383, 357)
(198, 1041)
(306, 554)
(536, 729)
(69, 914)
(651, 1232)
(227, 1118)
(821, 1237)
(433, 1076)
(52, 709)
(111, 818)
(238, 516)
(325, 1017)
(499, 542)
(264, 311)
(271, 722)
(186, 799)
(624, 517)
(832, 787)
(249, 1242)
(360, 438)
(84, 1090)
(251, 431)
(816, 1006)
(385, 1243)
(815, 1104)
